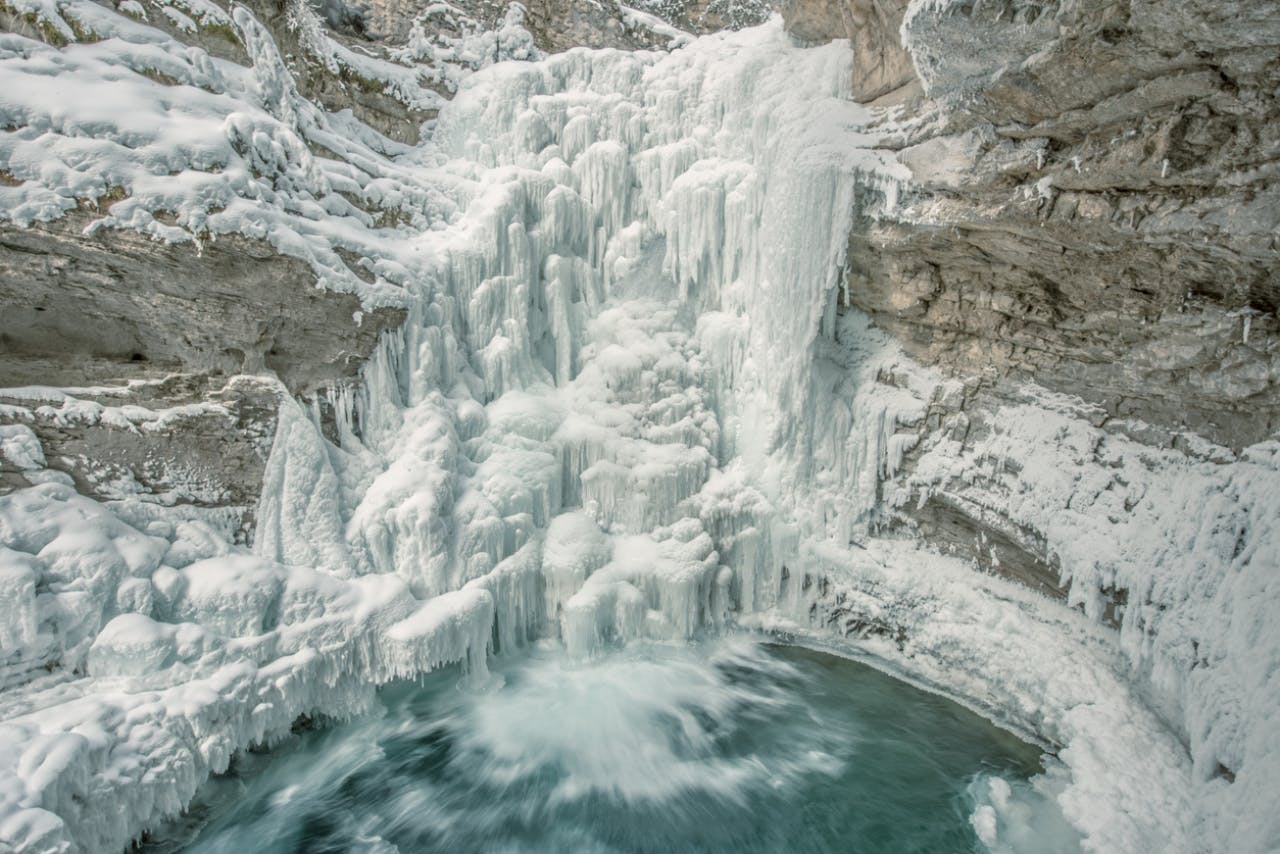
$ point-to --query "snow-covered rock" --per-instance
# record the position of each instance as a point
(627, 400)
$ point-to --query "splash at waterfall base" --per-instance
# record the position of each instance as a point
(723, 745)
(625, 405)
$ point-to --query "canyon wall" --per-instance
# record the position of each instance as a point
(1089, 252)
(1063, 237)
(1094, 208)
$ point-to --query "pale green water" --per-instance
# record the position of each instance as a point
(727, 746)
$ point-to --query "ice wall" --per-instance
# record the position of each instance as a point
(630, 300)
(577, 337)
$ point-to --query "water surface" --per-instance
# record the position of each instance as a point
(724, 746)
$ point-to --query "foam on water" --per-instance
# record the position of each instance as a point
(723, 746)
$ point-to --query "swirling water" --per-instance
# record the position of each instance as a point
(729, 745)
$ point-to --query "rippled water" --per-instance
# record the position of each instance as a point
(730, 746)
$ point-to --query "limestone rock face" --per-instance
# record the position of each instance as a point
(151, 370)
(880, 63)
(81, 309)
(154, 343)
(1097, 207)
(190, 444)
(163, 338)
(559, 25)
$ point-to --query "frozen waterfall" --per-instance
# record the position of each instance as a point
(621, 323)
(627, 403)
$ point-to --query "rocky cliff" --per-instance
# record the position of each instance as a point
(1094, 207)
(1089, 251)
(133, 356)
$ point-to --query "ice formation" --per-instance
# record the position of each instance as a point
(623, 405)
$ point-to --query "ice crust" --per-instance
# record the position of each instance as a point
(623, 406)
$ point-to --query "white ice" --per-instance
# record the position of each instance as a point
(622, 406)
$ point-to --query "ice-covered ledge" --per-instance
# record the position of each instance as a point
(108, 728)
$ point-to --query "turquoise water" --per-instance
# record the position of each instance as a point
(726, 746)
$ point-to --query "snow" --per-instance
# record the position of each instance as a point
(639, 19)
(295, 521)
(233, 648)
(78, 412)
(623, 405)
(20, 447)
(1191, 540)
